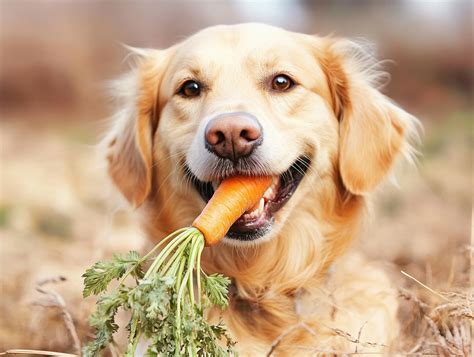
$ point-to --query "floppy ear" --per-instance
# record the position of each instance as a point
(129, 144)
(373, 130)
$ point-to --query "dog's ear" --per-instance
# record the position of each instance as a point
(373, 130)
(129, 144)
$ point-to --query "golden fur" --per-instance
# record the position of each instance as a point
(302, 271)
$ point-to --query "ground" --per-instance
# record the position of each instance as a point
(57, 217)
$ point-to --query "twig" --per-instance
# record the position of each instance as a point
(425, 286)
(35, 352)
(440, 338)
(345, 353)
(350, 338)
(55, 300)
(288, 331)
(358, 336)
(418, 345)
(408, 295)
(337, 331)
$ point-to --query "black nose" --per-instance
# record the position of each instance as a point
(234, 135)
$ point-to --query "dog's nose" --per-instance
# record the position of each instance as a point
(233, 136)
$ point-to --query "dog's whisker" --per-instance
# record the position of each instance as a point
(167, 158)
(186, 179)
(165, 180)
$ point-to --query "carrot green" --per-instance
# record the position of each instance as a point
(168, 301)
(166, 304)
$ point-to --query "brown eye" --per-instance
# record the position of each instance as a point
(282, 83)
(190, 89)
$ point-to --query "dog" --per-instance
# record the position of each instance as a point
(252, 99)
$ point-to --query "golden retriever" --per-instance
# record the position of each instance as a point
(254, 99)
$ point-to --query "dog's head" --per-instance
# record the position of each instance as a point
(254, 100)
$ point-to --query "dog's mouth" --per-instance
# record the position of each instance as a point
(258, 221)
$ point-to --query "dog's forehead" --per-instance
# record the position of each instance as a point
(232, 34)
(255, 42)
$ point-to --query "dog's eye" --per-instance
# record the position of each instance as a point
(190, 89)
(282, 83)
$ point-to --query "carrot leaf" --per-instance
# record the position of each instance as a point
(103, 320)
(216, 287)
(98, 277)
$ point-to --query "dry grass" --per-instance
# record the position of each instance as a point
(53, 300)
(445, 327)
(441, 324)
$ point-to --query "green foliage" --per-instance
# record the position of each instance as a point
(165, 307)
(216, 289)
(99, 276)
(103, 320)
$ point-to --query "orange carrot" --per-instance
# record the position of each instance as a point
(234, 196)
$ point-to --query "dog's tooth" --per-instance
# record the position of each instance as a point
(254, 212)
(258, 211)
(271, 193)
(275, 184)
(253, 208)
(268, 193)
(261, 205)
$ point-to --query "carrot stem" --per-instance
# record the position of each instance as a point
(198, 272)
(179, 251)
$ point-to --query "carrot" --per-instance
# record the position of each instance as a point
(234, 196)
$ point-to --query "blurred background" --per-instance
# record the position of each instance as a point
(56, 217)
